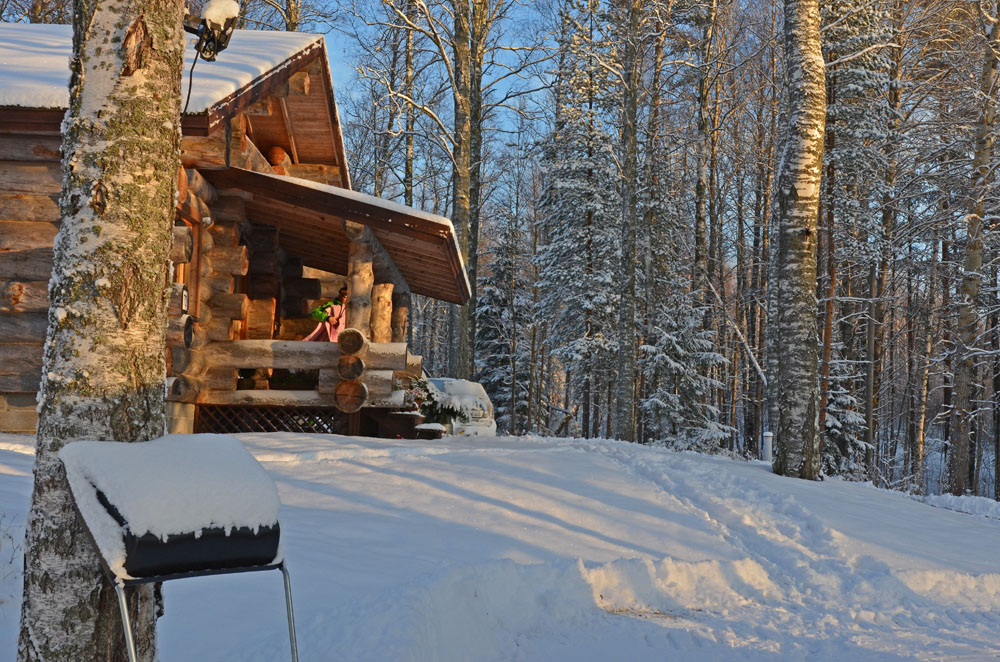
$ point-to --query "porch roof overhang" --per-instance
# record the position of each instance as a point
(310, 218)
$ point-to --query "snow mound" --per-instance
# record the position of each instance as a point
(972, 505)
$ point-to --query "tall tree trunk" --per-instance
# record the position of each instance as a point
(460, 359)
(702, 154)
(798, 200)
(104, 359)
(631, 72)
(968, 313)
(477, 40)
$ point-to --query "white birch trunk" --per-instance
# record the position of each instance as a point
(104, 354)
(798, 201)
(968, 311)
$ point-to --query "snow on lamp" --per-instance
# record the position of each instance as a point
(214, 28)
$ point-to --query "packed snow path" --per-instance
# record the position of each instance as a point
(529, 549)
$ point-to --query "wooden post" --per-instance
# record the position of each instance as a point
(360, 277)
(400, 315)
(381, 312)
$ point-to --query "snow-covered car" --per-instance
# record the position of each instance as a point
(471, 399)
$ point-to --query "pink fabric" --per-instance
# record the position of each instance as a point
(331, 328)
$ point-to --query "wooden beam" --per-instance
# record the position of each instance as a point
(315, 172)
(360, 277)
(381, 319)
(286, 119)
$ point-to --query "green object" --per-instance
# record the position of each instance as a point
(319, 312)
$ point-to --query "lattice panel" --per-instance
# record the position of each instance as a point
(227, 419)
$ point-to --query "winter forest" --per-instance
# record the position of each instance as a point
(613, 173)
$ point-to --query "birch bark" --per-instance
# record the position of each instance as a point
(968, 313)
(798, 200)
(104, 360)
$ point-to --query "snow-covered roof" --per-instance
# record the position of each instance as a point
(34, 64)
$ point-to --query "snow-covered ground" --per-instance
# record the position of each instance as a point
(479, 549)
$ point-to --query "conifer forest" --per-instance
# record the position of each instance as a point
(682, 227)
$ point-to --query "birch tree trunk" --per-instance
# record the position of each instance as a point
(104, 360)
(798, 199)
(631, 79)
(968, 314)
(461, 359)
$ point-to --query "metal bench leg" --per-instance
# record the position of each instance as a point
(291, 614)
(126, 623)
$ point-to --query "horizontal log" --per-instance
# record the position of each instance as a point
(199, 337)
(263, 238)
(229, 209)
(414, 366)
(35, 177)
(315, 172)
(295, 306)
(379, 382)
(261, 318)
(214, 282)
(277, 156)
(225, 234)
(23, 327)
(230, 260)
(180, 331)
(299, 355)
(264, 262)
(292, 268)
(233, 305)
(220, 329)
(352, 341)
(23, 235)
(273, 398)
(288, 354)
(33, 264)
(386, 356)
(185, 388)
(207, 240)
(28, 296)
(183, 245)
(295, 328)
(203, 152)
(350, 395)
(221, 378)
(26, 207)
(188, 361)
(350, 366)
(25, 382)
(264, 287)
(17, 147)
(395, 400)
(328, 380)
(20, 358)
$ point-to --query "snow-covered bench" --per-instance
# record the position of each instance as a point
(174, 507)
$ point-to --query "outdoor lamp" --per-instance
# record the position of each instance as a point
(214, 28)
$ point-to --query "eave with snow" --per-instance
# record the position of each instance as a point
(267, 226)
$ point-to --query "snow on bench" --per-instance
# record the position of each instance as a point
(174, 505)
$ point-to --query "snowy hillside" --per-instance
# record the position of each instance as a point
(529, 549)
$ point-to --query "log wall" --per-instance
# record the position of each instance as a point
(30, 184)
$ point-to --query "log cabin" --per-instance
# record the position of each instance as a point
(267, 227)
